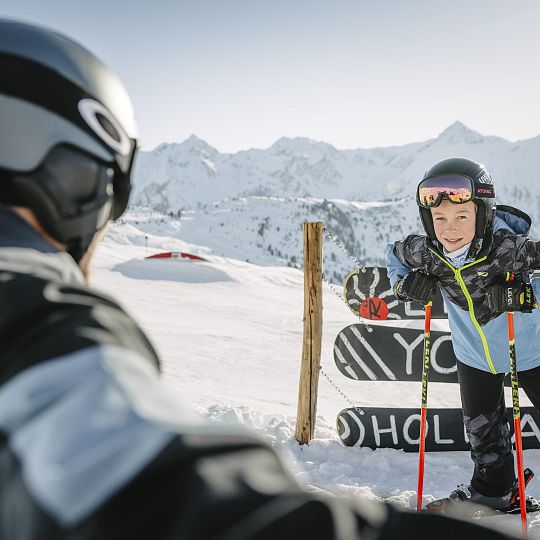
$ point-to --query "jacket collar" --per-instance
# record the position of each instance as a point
(16, 232)
(24, 251)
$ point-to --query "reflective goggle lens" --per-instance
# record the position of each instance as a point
(457, 189)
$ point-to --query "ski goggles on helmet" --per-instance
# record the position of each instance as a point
(457, 189)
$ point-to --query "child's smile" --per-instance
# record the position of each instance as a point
(455, 224)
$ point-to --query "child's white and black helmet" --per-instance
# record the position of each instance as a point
(483, 192)
(68, 136)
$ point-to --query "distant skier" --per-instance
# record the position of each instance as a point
(91, 444)
(469, 246)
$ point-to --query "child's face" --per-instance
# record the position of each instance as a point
(455, 224)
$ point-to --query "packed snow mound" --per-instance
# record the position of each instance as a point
(179, 270)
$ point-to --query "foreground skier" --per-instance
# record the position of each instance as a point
(92, 446)
(468, 248)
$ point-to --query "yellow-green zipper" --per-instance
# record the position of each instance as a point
(457, 275)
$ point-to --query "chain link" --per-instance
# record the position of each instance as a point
(337, 388)
(332, 287)
(345, 250)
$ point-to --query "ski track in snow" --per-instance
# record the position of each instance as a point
(230, 337)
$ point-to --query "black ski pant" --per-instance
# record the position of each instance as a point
(487, 426)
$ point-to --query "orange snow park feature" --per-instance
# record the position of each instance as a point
(176, 255)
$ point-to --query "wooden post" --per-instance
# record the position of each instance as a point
(311, 348)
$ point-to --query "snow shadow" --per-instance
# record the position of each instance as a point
(171, 270)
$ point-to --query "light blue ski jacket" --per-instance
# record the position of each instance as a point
(486, 347)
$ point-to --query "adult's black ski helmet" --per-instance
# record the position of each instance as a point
(484, 193)
(68, 136)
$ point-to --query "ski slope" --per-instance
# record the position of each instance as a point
(230, 335)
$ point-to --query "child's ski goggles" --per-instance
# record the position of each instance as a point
(457, 189)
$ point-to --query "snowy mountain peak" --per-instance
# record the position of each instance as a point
(459, 132)
(198, 145)
(194, 140)
(192, 145)
(300, 146)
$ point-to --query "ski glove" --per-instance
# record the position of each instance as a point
(415, 286)
(511, 296)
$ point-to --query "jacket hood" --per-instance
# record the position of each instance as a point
(508, 217)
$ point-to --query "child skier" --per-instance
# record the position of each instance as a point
(468, 248)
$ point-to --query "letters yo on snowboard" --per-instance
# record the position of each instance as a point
(468, 247)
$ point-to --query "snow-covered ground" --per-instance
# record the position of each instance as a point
(230, 335)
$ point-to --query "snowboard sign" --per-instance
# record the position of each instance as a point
(369, 294)
(374, 428)
(389, 353)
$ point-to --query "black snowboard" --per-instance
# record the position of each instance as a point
(374, 427)
(368, 294)
(389, 353)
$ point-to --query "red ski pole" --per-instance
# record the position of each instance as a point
(517, 423)
(423, 410)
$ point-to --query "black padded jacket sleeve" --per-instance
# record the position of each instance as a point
(412, 251)
(523, 254)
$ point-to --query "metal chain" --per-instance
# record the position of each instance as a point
(345, 250)
(337, 388)
(353, 259)
(334, 290)
(342, 298)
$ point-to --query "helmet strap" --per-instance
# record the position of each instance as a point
(481, 221)
(427, 222)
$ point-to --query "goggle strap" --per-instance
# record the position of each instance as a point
(484, 191)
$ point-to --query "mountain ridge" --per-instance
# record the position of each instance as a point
(196, 181)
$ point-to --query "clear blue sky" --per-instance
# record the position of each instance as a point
(354, 73)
